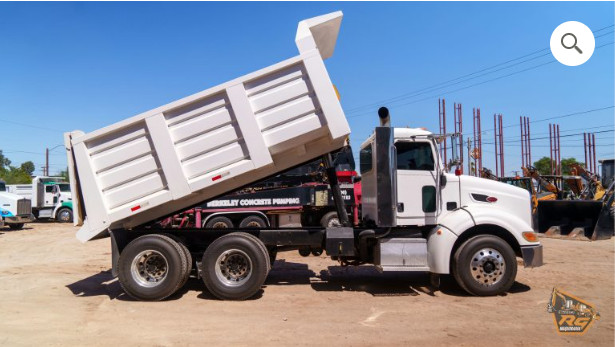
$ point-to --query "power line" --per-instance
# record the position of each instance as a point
(554, 117)
(567, 135)
(464, 77)
(472, 85)
(30, 125)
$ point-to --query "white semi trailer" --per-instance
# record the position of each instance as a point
(415, 216)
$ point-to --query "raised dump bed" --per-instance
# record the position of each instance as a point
(209, 143)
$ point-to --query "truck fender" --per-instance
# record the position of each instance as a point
(441, 245)
(470, 216)
(59, 206)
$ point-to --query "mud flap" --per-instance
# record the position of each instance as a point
(118, 242)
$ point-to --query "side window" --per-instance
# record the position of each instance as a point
(49, 189)
(365, 158)
(414, 156)
(428, 194)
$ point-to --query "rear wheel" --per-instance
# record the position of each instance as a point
(219, 222)
(64, 215)
(252, 222)
(485, 265)
(305, 252)
(235, 266)
(16, 226)
(188, 257)
(152, 267)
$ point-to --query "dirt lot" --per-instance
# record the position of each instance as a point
(56, 291)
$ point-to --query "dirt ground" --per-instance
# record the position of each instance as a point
(56, 291)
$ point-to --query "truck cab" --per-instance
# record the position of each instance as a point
(406, 188)
(51, 197)
(15, 210)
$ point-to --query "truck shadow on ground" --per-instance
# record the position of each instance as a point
(335, 278)
(103, 283)
(6, 228)
(369, 280)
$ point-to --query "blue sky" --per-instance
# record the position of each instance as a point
(66, 66)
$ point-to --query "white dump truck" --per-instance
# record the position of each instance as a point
(51, 198)
(15, 210)
(415, 217)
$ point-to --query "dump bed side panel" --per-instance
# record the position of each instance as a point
(189, 147)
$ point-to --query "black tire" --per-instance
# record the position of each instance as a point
(329, 220)
(248, 263)
(64, 215)
(16, 226)
(188, 257)
(263, 247)
(253, 222)
(219, 222)
(317, 252)
(478, 268)
(305, 252)
(165, 255)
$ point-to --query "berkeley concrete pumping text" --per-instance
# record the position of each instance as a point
(253, 202)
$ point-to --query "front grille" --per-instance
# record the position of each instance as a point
(24, 206)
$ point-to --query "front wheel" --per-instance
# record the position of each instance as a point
(64, 215)
(485, 265)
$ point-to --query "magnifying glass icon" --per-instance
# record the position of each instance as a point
(574, 45)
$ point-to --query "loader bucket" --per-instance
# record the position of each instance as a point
(567, 215)
(604, 229)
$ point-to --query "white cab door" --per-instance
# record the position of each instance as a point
(416, 182)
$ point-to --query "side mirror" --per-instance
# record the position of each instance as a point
(442, 180)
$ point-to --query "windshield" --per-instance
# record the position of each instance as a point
(64, 187)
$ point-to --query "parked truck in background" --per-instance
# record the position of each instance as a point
(295, 198)
(15, 210)
(51, 198)
(414, 215)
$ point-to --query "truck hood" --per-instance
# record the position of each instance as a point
(7, 198)
(475, 191)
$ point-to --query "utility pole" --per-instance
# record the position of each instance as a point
(46, 171)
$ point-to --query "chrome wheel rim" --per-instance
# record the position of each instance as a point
(65, 216)
(487, 267)
(233, 267)
(149, 268)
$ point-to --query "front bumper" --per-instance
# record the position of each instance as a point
(532, 255)
(24, 218)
